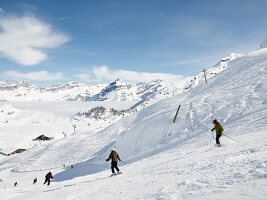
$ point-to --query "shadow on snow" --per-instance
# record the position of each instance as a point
(84, 168)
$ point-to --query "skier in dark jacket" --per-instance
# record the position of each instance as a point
(34, 181)
(219, 131)
(114, 156)
(48, 176)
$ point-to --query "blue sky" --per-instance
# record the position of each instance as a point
(94, 41)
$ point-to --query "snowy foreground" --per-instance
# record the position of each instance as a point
(196, 170)
(164, 160)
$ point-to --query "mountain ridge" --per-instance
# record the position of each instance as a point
(143, 93)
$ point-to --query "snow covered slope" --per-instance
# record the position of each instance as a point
(21, 122)
(236, 96)
(165, 160)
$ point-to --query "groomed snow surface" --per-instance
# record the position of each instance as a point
(164, 160)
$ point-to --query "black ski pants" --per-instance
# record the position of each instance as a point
(114, 165)
(217, 138)
(47, 181)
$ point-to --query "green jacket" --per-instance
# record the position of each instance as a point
(114, 156)
(219, 129)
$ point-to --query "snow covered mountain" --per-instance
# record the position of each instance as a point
(24, 91)
(165, 160)
(32, 105)
(141, 93)
(79, 104)
(115, 91)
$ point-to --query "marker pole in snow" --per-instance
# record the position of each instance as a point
(176, 113)
(204, 71)
(230, 138)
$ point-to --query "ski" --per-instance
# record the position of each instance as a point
(115, 174)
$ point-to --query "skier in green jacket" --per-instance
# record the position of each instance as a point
(114, 156)
(219, 131)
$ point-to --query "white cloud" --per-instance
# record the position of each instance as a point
(1, 10)
(33, 76)
(83, 76)
(76, 15)
(104, 73)
(23, 39)
(205, 60)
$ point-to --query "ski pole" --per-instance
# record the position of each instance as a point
(230, 138)
(123, 162)
(212, 135)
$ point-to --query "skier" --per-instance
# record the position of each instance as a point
(114, 156)
(15, 184)
(219, 130)
(48, 176)
(34, 181)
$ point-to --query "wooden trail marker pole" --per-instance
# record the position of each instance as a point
(176, 113)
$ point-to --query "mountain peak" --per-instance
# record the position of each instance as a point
(117, 82)
(231, 56)
(263, 44)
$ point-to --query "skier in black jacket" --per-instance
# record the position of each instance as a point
(48, 176)
(34, 181)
